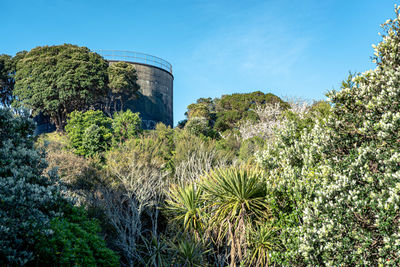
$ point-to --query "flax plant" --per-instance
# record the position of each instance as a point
(185, 204)
(235, 198)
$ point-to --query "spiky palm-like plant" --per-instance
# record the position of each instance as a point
(184, 203)
(261, 240)
(156, 252)
(235, 197)
(189, 253)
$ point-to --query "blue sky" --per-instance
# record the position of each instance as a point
(291, 48)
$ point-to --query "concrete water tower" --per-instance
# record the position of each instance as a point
(155, 101)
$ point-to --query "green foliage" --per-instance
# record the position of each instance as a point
(78, 174)
(56, 80)
(236, 194)
(163, 137)
(198, 126)
(122, 83)
(230, 143)
(157, 251)
(95, 140)
(184, 203)
(74, 242)
(229, 111)
(126, 125)
(28, 200)
(320, 110)
(89, 132)
(6, 79)
(262, 239)
(239, 107)
(227, 202)
(188, 253)
(122, 78)
(38, 225)
(249, 147)
(204, 107)
(353, 219)
(291, 163)
(8, 67)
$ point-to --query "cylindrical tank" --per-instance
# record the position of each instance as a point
(155, 101)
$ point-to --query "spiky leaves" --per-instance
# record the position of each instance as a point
(185, 204)
(236, 198)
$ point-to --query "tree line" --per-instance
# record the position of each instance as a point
(246, 180)
(56, 80)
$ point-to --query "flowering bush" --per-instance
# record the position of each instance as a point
(338, 184)
(354, 217)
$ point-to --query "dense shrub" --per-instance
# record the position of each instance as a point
(89, 132)
(32, 203)
(338, 177)
(80, 175)
(229, 111)
(197, 126)
(354, 217)
(28, 200)
(126, 125)
(131, 202)
(74, 242)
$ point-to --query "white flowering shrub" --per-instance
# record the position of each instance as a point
(335, 186)
(270, 117)
(28, 200)
(354, 218)
(292, 163)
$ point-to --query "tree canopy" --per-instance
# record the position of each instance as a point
(8, 67)
(228, 111)
(122, 83)
(55, 80)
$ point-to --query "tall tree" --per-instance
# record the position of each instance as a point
(55, 80)
(122, 83)
(6, 83)
(8, 67)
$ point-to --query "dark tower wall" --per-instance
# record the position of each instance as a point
(155, 96)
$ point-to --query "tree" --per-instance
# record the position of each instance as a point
(198, 126)
(122, 83)
(8, 67)
(230, 111)
(235, 108)
(55, 80)
(6, 81)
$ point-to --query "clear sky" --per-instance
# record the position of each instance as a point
(290, 48)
